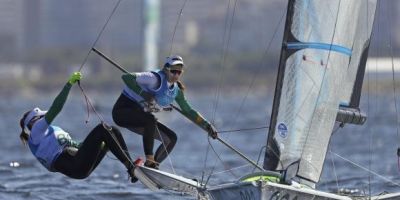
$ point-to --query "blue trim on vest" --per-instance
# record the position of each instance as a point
(323, 46)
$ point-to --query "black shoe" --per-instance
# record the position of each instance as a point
(152, 164)
(132, 175)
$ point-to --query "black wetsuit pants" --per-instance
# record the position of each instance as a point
(91, 152)
(129, 114)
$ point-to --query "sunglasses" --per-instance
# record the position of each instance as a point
(174, 71)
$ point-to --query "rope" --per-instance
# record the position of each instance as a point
(394, 89)
(87, 100)
(365, 169)
(258, 69)
(226, 167)
(254, 76)
(101, 32)
(334, 171)
(223, 55)
(176, 25)
(165, 148)
(243, 129)
(223, 59)
(231, 169)
(368, 111)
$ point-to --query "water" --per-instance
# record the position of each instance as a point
(30, 180)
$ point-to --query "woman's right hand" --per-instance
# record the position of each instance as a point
(212, 132)
(75, 77)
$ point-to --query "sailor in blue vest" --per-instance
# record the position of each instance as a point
(58, 152)
(148, 92)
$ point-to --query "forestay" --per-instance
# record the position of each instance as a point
(321, 67)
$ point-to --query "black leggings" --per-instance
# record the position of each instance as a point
(91, 152)
(129, 114)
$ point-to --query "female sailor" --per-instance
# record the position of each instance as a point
(58, 152)
(143, 94)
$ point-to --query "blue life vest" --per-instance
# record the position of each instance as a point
(49, 144)
(164, 95)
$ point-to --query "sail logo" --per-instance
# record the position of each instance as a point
(282, 130)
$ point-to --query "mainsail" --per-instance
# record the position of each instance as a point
(322, 65)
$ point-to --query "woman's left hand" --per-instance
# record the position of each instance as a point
(75, 77)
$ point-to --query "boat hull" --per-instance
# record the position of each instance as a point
(267, 191)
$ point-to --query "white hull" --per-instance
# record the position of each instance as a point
(255, 190)
(276, 191)
(267, 191)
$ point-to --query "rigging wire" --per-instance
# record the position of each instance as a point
(253, 79)
(334, 172)
(394, 87)
(165, 148)
(99, 35)
(87, 100)
(176, 25)
(258, 69)
(227, 38)
(243, 129)
(332, 161)
(223, 52)
(365, 169)
(370, 133)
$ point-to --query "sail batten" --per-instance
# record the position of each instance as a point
(316, 45)
(321, 67)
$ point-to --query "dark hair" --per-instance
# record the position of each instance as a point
(23, 135)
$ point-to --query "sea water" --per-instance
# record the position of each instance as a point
(362, 158)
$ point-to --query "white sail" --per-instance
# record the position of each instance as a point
(319, 63)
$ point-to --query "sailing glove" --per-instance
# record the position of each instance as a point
(76, 76)
(212, 132)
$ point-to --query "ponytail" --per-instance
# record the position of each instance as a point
(180, 85)
(23, 136)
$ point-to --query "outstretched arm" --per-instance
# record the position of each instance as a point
(130, 81)
(61, 98)
(195, 116)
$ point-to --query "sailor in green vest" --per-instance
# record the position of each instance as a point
(58, 152)
(148, 92)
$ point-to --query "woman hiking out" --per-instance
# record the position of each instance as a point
(148, 92)
(58, 152)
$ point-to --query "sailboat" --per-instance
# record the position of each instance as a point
(321, 71)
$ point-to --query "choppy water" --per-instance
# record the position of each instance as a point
(372, 146)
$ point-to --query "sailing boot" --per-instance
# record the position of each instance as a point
(151, 163)
(132, 175)
(131, 169)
